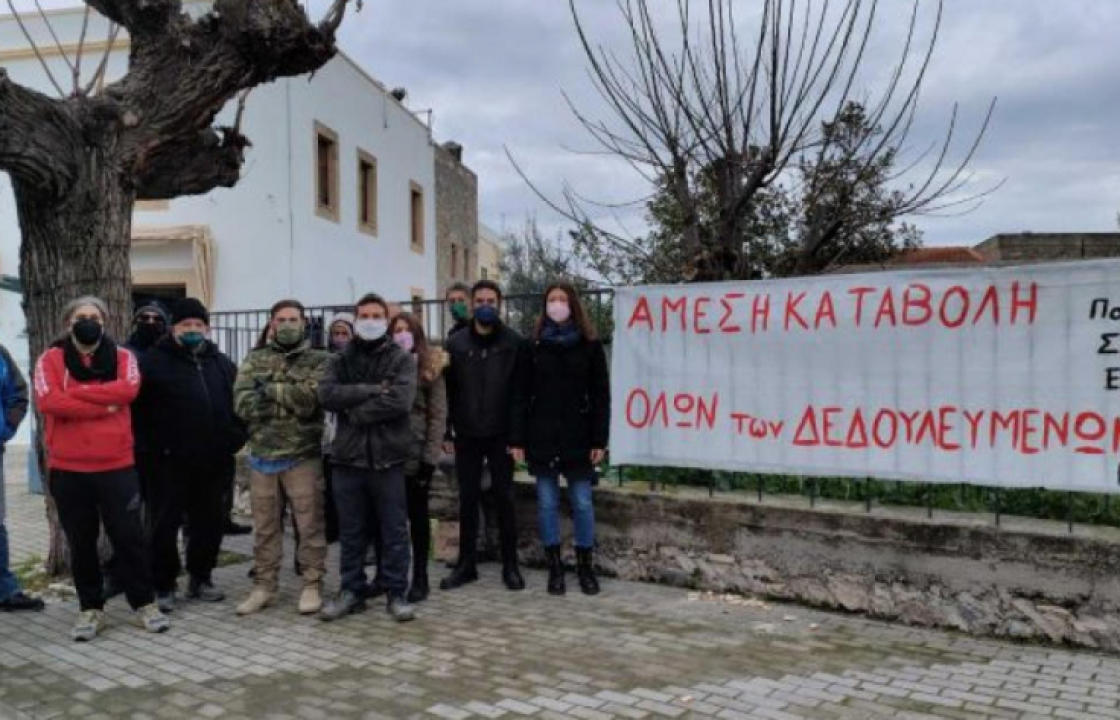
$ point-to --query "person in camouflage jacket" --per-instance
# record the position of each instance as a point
(276, 394)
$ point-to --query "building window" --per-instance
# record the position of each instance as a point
(467, 262)
(326, 172)
(416, 206)
(454, 261)
(367, 193)
(484, 272)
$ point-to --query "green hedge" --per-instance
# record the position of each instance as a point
(1089, 508)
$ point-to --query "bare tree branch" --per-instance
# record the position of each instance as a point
(35, 48)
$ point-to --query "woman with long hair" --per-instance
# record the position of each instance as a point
(429, 421)
(560, 425)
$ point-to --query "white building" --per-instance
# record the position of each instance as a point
(337, 196)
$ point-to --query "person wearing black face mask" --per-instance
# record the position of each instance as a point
(186, 404)
(486, 362)
(149, 324)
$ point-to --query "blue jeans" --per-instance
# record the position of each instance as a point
(9, 586)
(583, 512)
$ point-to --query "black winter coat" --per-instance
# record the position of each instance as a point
(186, 402)
(562, 406)
(371, 387)
(481, 377)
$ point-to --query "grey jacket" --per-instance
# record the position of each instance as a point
(371, 387)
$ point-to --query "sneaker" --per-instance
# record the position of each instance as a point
(166, 601)
(347, 603)
(20, 601)
(151, 619)
(205, 591)
(400, 609)
(258, 600)
(310, 600)
(89, 624)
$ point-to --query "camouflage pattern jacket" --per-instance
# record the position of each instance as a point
(276, 394)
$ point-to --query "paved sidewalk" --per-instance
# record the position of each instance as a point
(636, 651)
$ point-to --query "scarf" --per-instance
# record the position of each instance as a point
(565, 335)
(103, 365)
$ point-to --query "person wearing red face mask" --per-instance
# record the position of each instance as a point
(560, 426)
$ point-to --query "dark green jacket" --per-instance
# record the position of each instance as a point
(276, 394)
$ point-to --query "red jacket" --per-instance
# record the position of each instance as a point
(88, 425)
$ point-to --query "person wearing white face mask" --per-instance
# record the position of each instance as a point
(371, 386)
(560, 425)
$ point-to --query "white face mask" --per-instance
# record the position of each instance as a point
(558, 311)
(371, 328)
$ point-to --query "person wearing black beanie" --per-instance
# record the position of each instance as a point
(186, 405)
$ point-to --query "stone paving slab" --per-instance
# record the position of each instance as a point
(636, 651)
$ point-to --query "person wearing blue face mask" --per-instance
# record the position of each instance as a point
(486, 362)
(186, 404)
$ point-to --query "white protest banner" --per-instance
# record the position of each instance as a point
(1003, 376)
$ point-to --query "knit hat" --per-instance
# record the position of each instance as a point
(343, 317)
(150, 308)
(188, 308)
(73, 305)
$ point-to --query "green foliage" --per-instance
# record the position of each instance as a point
(1087, 508)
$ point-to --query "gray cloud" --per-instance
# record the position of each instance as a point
(494, 70)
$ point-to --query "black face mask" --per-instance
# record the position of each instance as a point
(87, 331)
(149, 332)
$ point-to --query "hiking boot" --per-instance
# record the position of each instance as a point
(205, 591)
(555, 570)
(310, 601)
(348, 602)
(166, 601)
(258, 600)
(151, 619)
(585, 570)
(20, 601)
(463, 573)
(88, 625)
(400, 609)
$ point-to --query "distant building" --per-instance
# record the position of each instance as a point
(1003, 249)
(489, 254)
(456, 218)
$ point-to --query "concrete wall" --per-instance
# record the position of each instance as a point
(1049, 246)
(947, 572)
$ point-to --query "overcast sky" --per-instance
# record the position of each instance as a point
(493, 72)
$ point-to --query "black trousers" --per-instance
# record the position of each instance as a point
(193, 488)
(419, 522)
(469, 456)
(358, 492)
(84, 501)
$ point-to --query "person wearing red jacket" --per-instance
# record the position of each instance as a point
(84, 385)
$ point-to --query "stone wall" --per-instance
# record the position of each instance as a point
(1013, 247)
(949, 573)
(456, 217)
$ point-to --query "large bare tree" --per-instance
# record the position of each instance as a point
(716, 112)
(78, 162)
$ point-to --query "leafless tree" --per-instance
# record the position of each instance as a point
(78, 162)
(702, 110)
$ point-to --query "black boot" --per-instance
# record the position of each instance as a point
(555, 570)
(586, 572)
(418, 592)
(511, 576)
(465, 572)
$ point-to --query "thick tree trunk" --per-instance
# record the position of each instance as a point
(74, 246)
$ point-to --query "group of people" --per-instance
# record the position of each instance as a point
(346, 441)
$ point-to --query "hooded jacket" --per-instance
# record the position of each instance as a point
(371, 386)
(186, 401)
(88, 425)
